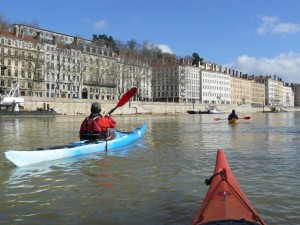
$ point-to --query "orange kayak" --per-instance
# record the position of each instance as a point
(225, 203)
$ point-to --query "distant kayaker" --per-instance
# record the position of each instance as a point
(96, 126)
(233, 115)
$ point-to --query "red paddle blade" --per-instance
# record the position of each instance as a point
(125, 98)
(217, 119)
(247, 118)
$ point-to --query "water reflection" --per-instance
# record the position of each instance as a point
(161, 178)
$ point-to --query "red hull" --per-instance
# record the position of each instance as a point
(225, 199)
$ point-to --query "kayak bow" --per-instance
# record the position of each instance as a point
(120, 139)
(225, 203)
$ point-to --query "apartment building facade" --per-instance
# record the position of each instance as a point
(176, 81)
(215, 85)
(296, 90)
(50, 64)
(273, 90)
(288, 99)
(134, 72)
(258, 93)
(22, 62)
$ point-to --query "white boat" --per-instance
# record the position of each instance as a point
(214, 110)
(12, 98)
(208, 110)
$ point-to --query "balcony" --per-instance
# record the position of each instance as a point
(102, 84)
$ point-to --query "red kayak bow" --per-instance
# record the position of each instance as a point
(225, 203)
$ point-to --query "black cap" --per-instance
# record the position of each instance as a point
(96, 108)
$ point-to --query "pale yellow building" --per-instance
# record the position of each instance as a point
(241, 90)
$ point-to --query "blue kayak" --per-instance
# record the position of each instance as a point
(119, 139)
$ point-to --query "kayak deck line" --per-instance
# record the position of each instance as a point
(121, 140)
(84, 142)
(225, 203)
(224, 194)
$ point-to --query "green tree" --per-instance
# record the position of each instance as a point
(103, 39)
(196, 59)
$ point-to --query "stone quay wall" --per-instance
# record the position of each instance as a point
(82, 106)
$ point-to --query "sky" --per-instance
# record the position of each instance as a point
(260, 37)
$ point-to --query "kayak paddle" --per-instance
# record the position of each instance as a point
(125, 98)
(244, 118)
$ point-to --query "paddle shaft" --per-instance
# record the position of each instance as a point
(244, 118)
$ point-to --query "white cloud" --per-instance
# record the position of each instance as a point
(165, 48)
(285, 66)
(273, 25)
(99, 25)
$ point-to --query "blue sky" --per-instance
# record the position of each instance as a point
(260, 37)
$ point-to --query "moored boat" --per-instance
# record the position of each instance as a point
(192, 111)
(208, 110)
(225, 203)
(118, 139)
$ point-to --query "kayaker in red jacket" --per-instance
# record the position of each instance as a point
(96, 126)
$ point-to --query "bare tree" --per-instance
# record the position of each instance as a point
(4, 24)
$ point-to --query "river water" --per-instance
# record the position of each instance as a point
(159, 180)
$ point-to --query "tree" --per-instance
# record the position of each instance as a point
(103, 39)
(196, 59)
(4, 24)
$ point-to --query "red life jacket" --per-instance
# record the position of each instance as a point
(91, 130)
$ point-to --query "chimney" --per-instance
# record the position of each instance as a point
(16, 31)
(54, 40)
(38, 36)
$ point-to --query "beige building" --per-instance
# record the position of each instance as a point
(241, 89)
(258, 93)
(136, 72)
(22, 62)
(98, 68)
(176, 82)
